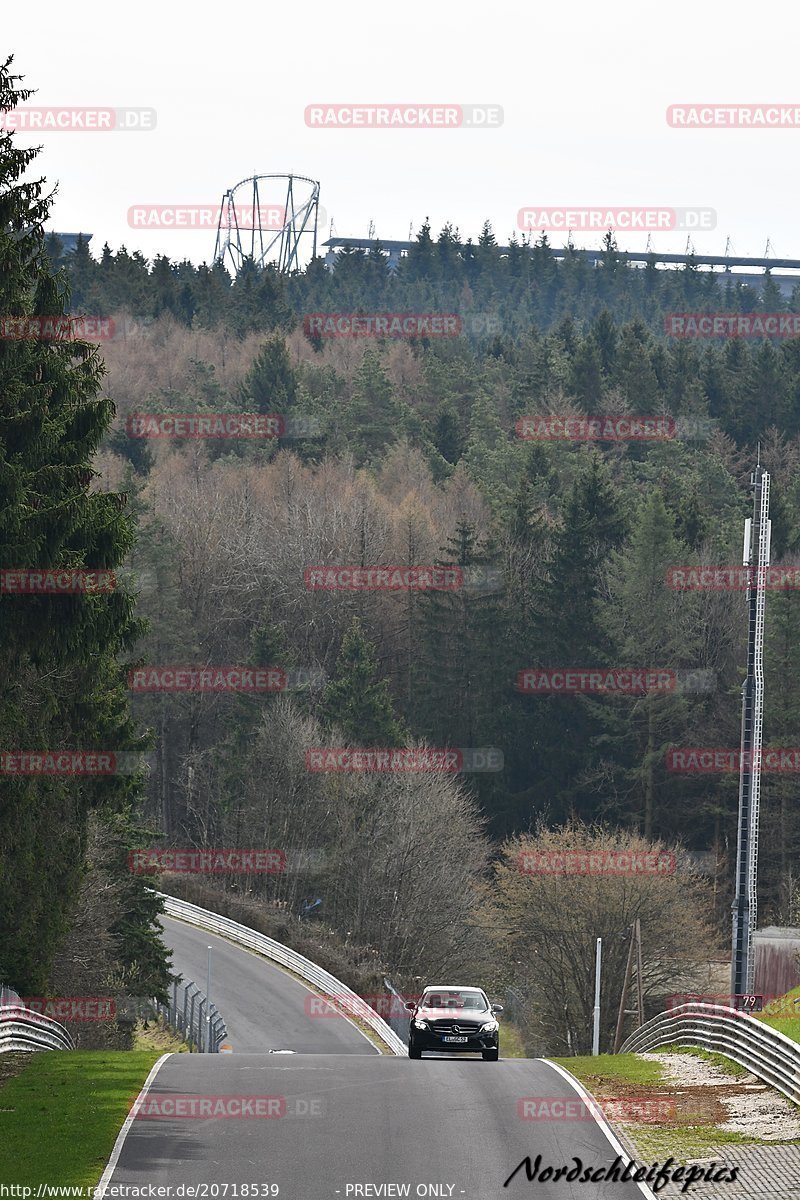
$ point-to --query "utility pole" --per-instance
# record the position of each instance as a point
(208, 1001)
(596, 1029)
(635, 945)
(745, 903)
(624, 997)
(637, 930)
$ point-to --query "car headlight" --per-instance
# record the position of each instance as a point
(420, 1024)
(489, 1027)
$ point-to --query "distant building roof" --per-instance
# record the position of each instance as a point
(642, 256)
(70, 240)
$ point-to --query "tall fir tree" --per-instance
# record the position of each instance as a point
(64, 687)
(357, 699)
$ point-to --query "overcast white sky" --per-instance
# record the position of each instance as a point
(584, 88)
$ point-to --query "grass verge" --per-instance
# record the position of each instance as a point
(511, 1045)
(596, 1070)
(687, 1133)
(776, 1014)
(59, 1118)
(158, 1037)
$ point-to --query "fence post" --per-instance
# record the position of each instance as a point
(191, 1016)
(201, 1025)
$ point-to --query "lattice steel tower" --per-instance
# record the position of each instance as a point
(745, 904)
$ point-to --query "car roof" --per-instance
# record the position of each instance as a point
(452, 987)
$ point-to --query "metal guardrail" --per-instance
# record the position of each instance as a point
(399, 1018)
(762, 1050)
(188, 1015)
(23, 1029)
(8, 996)
(326, 983)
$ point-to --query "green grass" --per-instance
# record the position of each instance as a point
(59, 1118)
(511, 1044)
(627, 1067)
(158, 1037)
(682, 1139)
(790, 1026)
(683, 1142)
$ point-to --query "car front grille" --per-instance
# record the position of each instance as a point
(456, 1027)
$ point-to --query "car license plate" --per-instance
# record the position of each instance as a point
(454, 1039)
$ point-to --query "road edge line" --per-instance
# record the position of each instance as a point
(123, 1133)
(600, 1120)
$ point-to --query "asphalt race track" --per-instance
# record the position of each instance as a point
(337, 1119)
(263, 1007)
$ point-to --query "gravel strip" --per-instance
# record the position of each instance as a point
(756, 1110)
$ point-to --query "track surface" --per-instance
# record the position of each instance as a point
(346, 1121)
(365, 1119)
(263, 1007)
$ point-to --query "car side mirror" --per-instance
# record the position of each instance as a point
(496, 1008)
(410, 1005)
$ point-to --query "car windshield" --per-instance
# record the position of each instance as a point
(456, 998)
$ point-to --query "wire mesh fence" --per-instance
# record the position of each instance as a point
(398, 1017)
(190, 1014)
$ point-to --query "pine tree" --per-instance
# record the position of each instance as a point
(373, 417)
(780, 838)
(567, 630)
(64, 688)
(357, 699)
(656, 628)
(270, 386)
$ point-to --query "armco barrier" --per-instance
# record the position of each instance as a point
(23, 1029)
(326, 983)
(759, 1048)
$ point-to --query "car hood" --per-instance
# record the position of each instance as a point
(479, 1016)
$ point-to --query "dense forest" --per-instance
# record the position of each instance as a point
(395, 452)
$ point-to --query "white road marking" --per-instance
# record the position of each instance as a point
(599, 1120)
(123, 1133)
